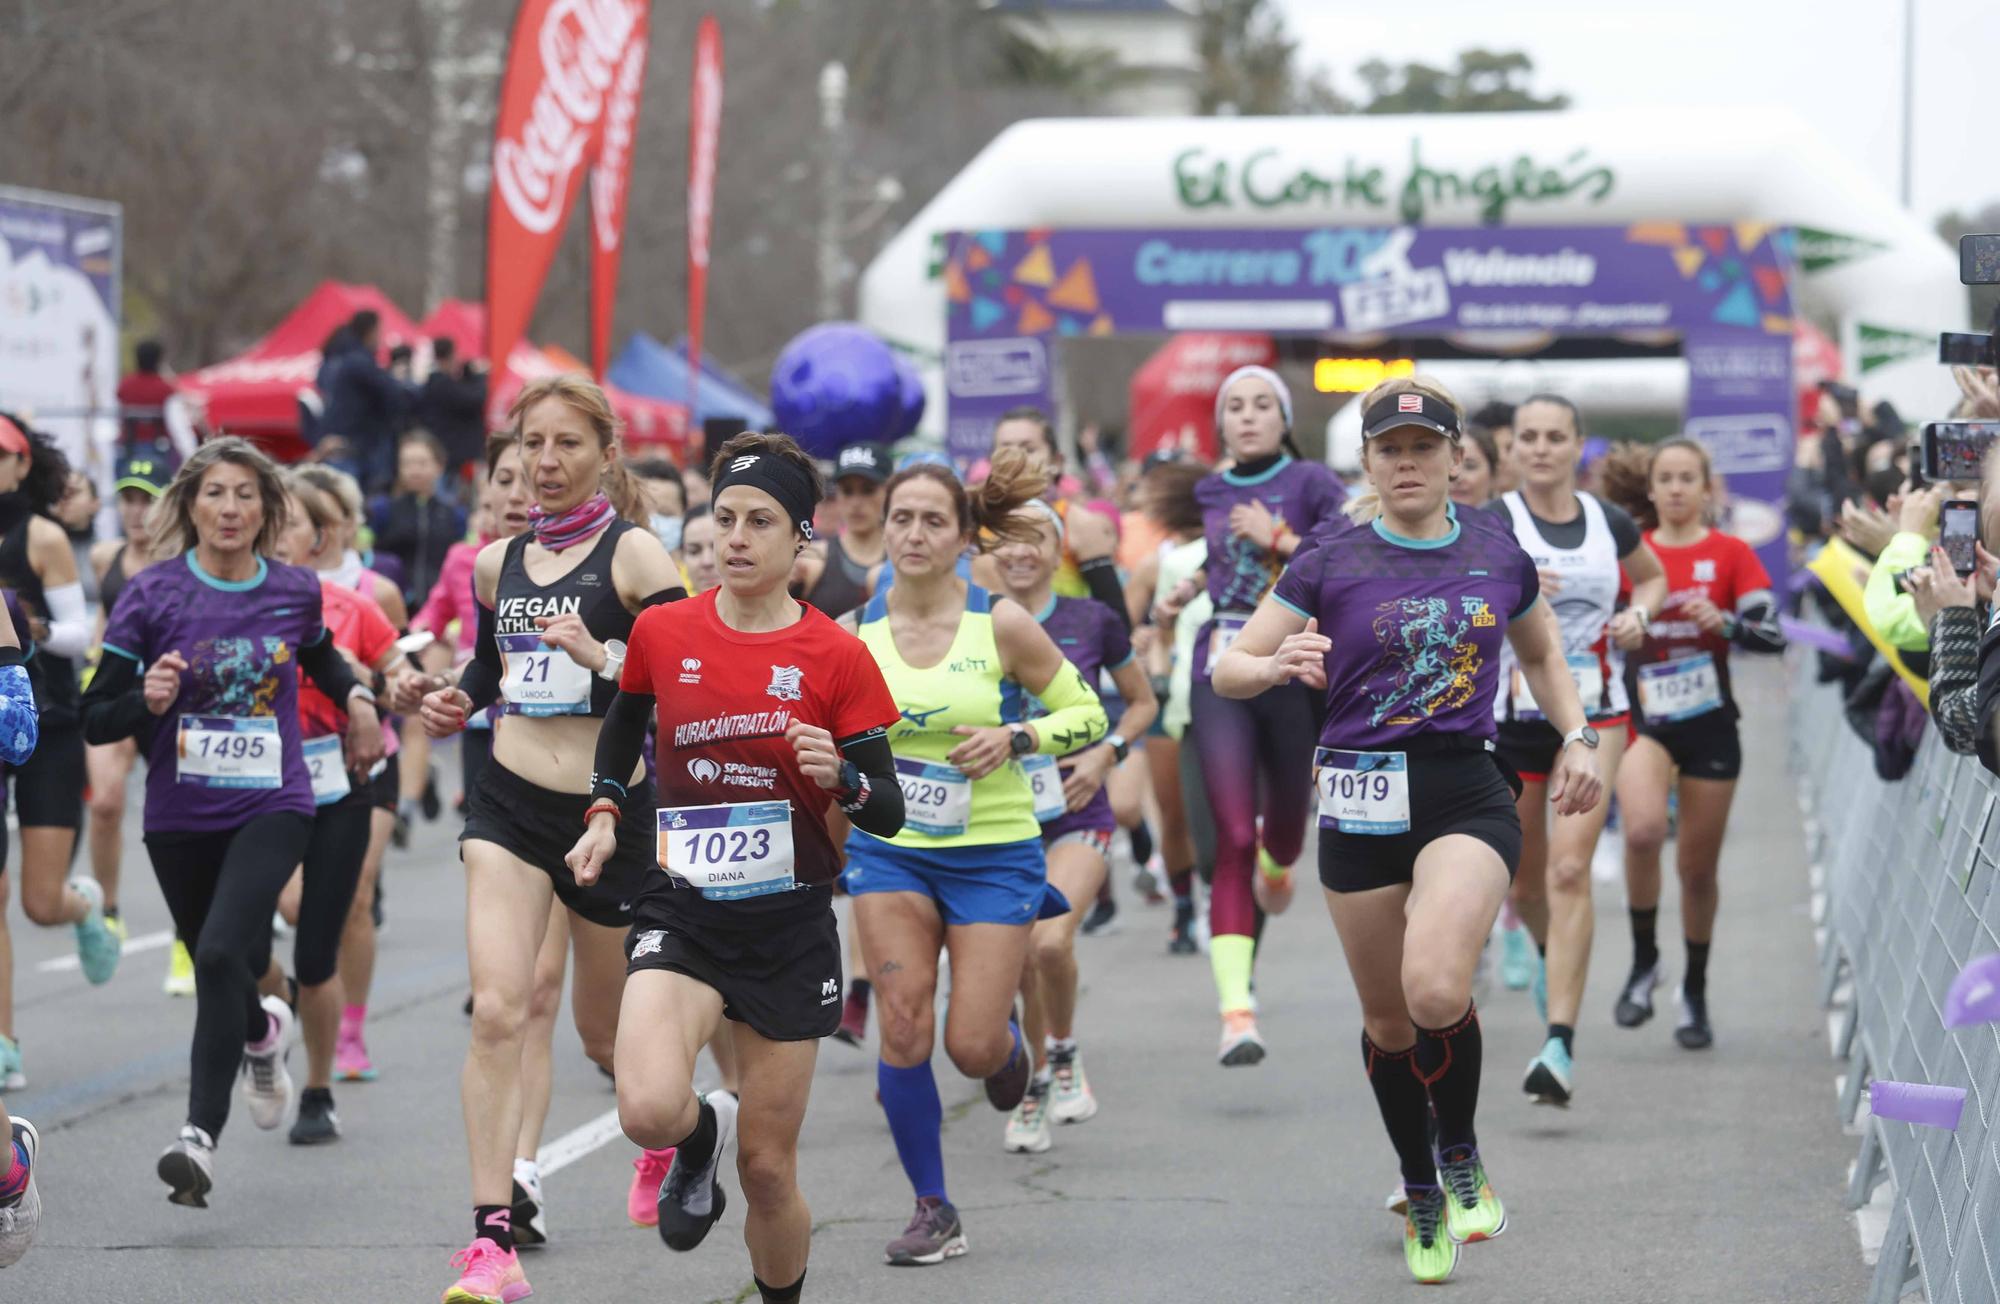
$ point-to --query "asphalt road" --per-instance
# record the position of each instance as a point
(1675, 1176)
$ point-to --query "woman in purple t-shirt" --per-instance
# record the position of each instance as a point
(201, 662)
(1400, 623)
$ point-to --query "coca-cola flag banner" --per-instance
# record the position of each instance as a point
(610, 183)
(569, 72)
(704, 131)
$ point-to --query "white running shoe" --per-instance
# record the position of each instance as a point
(188, 1166)
(1398, 1202)
(531, 1211)
(1028, 1124)
(267, 1085)
(1072, 1101)
(19, 1220)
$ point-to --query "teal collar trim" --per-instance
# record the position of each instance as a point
(227, 586)
(1230, 477)
(1445, 540)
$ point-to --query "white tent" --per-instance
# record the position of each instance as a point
(1864, 260)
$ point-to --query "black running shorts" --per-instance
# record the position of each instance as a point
(1706, 747)
(541, 827)
(1456, 792)
(778, 971)
(1531, 746)
(48, 788)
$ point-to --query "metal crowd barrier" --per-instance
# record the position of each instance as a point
(1906, 894)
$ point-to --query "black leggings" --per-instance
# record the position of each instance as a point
(332, 870)
(221, 888)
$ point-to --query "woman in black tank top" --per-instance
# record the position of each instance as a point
(836, 580)
(36, 562)
(554, 608)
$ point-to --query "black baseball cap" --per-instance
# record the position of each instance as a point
(1409, 408)
(147, 472)
(868, 461)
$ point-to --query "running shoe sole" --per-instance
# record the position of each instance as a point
(190, 1185)
(1692, 1037)
(953, 1247)
(527, 1212)
(1040, 1145)
(1477, 1237)
(685, 1239)
(1542, 1085)
(1244, 1054)
(846, 1038)
(1082, 1113)
(507, 1296)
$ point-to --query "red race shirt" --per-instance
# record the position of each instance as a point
(357, 625)
(1721, 568)
(725, 700)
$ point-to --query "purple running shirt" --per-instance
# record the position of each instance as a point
(228, 748)
(1092, 638)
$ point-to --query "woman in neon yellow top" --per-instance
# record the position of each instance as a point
(967, 873)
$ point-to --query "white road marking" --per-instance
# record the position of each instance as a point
(578, 1142)
(133, 945)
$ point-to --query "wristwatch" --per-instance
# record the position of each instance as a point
(1022, 741)
(614, 660)
(1581, 734)
(1119, 747)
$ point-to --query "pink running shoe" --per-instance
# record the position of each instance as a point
(489, 1275)
(642, 1202)
(350, 1057)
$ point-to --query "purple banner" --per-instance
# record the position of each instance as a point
(1723, 291)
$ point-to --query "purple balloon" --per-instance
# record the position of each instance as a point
(835, 384)
(1917, 1102)
(1975, 994)
(913, 397)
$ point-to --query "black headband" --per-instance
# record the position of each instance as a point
(1409, 408)
(778, 477)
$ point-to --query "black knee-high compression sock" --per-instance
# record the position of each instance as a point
(1406, 1110)
(1447, 1060)
(1181, 883)
(1142, 842)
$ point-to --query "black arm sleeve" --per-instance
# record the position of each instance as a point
(480, 680)
(619, 741)
(1101, 574)
(114, 708)
(871, 796)
(328, 669)
(673, 594)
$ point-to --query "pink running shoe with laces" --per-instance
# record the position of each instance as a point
(488, 1275)
(642, 1202)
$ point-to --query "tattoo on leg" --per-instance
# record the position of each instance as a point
(889, 968)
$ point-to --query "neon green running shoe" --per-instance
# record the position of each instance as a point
(1474, 1211)
(1427, 1247)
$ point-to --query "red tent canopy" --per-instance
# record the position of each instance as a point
(257, 392)
(461, 321)
(1173, 395)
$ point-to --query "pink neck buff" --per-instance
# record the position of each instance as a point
(580, 522)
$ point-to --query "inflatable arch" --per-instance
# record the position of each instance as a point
(1710, 225)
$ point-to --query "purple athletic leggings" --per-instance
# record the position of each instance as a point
(1258, 748)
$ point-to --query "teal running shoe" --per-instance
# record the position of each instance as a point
(1517, 959)
(97, 942)
(1548, 1079)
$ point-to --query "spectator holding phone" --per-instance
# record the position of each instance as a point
(1891, 609)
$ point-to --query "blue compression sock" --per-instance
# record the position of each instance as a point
(916, 1120)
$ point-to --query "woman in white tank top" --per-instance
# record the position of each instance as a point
(1579, 544)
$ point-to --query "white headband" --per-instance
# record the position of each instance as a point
(1055, 517)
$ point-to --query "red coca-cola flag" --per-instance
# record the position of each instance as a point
(610, 182)
(562, 67)
(704, 132)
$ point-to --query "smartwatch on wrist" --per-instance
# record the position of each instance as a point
(1581, 734)
(1022, 741)
(614, 660)
(1119, 747)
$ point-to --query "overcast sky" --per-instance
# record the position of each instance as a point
(1837, 62)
